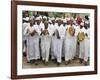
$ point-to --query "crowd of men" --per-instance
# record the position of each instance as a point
(46, 39)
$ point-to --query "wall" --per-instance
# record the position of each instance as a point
(5, 40)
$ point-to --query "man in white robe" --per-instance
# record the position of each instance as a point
(69, 45)
(52, 28)
(87, 40)
(45, 44)
(82, 45)
(77, 30)
(24, 25)
(58, 42)
(87, 47)
(33, 50)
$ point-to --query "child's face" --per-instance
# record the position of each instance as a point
(46, 25)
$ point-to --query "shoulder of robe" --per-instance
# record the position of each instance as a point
(35, 26)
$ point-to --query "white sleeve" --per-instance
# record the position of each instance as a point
(63, 31)
(37, 29)
(42, 26)
(84, 30)
(77, 30)
(26, 32)
(88, 33)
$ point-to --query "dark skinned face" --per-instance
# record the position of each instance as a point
(53, 21)
(71, 22)
(31, 22)
(46, 25)
(26, 14)
(38, 22)
(59, 22)
(81, 26)
(64, 24)
(43, 20)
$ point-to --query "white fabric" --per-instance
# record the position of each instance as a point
(85, 46)
(64, 21)
(44, 17)
(57, 48)
(32, 45)
(87, 49)
(26, 19)
(61, 31)
(39, 28)
(69, 45)
(82, 46)
(52, 28)
(57, 44)
(23, 30)
(24, 37)
(37, 18)
(77, 30)
(45, 47)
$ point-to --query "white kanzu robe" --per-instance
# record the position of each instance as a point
(69, 46)
(24, 36)
(39, 28)
(87, 45)
(57, 44)
(33, 52)
(45, 46)
(77, 30)
(52, 29)
(82, 49)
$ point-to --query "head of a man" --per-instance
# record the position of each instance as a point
(26, 14)
(71, 22)
(53, 21)
(59, 22)
(46, 25)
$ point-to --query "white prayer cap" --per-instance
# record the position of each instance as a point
(44, 17)
(59, 18)
(87, 22)
(49, 18)
(40, 17)
(26, 19)
(72, 18)
(49, 21)
(67, 18)
(56, 18)
(37, 18)
(64, 21)
(52, 18)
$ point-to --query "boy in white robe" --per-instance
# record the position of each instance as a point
(45, 44)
